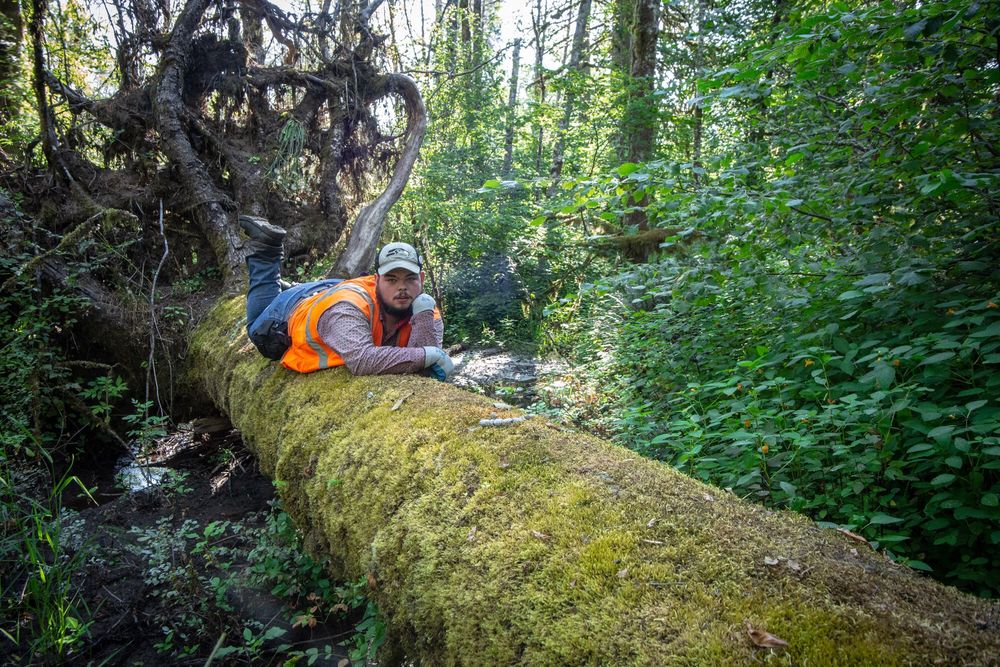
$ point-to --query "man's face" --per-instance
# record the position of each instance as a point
(397, 289)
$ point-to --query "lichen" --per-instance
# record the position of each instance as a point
(530, 544)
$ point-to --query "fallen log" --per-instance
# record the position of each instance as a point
(531, 544)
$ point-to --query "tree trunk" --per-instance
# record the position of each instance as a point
(572, 70)
(538, 27)
(639, 123)
(533, 544)
(508, 145)
(11, 34)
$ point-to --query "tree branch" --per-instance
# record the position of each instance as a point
(360, 251)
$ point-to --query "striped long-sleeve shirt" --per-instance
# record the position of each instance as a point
(346, 329)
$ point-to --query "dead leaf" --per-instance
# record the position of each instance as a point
(340, 607)
(372, 583)
(344, 662)
(398, 403)
(770, 561)
(764, 639)
(652, 522)
(853, 536)
(709, 497)
(793, 565)
(541, 536)
(500, 405)
(622, 573)
(472, 534)
(503, 463)
(652, 541)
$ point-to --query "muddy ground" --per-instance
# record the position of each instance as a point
(165, 570)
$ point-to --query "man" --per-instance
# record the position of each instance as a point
(374, 325)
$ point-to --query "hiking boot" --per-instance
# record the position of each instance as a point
(259, 229)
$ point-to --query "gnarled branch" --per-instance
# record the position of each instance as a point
(360, 251)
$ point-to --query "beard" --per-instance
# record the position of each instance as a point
(401, 313)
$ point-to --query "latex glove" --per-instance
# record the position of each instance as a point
(422, 303)
(438, 362)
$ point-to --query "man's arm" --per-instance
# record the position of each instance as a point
(426, 330)
(346, 329)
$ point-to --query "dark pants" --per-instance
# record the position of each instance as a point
(268, 307)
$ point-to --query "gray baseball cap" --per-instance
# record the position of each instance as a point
(398, 255)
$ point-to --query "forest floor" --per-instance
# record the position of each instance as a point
(173, 565)
(167, 569)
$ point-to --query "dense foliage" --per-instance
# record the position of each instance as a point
(772, 261)
(818, 324)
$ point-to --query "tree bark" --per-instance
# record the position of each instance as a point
(508, 144)
(638, 129)
(210, 207)
(538, 28)
(359, 255)
(572, 69)
(11, 34)
(532, 544)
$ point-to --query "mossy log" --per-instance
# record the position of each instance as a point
(532, 544)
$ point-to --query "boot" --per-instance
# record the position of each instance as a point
(265, 238)
(259, 229)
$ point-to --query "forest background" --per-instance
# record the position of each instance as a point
(763, 234)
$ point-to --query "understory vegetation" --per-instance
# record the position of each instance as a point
(764, 234)
(810, 315)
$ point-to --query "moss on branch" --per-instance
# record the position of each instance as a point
(530, 544)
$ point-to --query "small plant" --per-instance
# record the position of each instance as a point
(45, 615)
(145, 427)
(101, 392)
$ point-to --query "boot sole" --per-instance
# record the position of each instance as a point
(259, 229)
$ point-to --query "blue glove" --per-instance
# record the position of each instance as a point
(438, 362)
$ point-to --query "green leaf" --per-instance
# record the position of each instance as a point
(990, 500)
(941, 480)
(793, 158)
(884, 519)
(850, 294)
(626, 169)
(787, 488)
(873, 279)
(992, 330)
(940, 432)
(954, 461)
(492, 184)
(937, 358)
(913, 31)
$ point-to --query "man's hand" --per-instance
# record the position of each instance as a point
(422, 303)
(438, 361)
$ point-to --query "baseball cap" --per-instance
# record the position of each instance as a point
(398, 255)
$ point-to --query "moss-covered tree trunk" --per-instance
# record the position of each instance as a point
(531, 544)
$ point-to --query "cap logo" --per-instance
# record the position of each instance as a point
(398, 251)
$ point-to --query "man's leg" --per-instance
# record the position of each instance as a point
(263, 264)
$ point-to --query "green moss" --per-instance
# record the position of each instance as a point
(529, 544)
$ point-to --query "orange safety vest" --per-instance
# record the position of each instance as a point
(308, 352)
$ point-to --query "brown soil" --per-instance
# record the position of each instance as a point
(130, 614)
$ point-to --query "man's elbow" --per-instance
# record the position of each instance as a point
(356, 367)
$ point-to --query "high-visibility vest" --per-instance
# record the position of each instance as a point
(308, 352)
